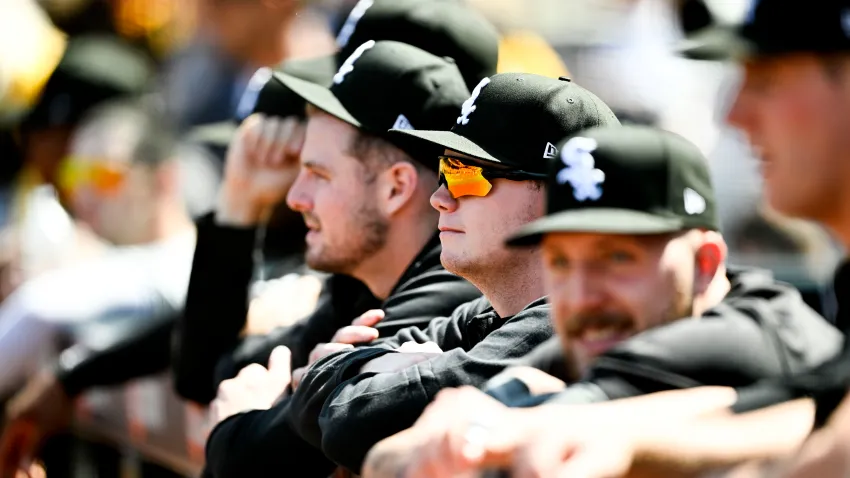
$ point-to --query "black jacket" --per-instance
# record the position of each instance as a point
(250, 443)
(762, 329)
(346, 412)
(217, 307)
(827, 384)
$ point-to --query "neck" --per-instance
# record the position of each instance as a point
(382, 271)
(510, 292)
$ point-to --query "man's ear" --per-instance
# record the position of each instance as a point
(710, 257)
(398, 186)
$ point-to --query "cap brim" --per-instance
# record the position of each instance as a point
(716, 43)
(317, 95)
(320, 69)
(444, 139)
(593, 220)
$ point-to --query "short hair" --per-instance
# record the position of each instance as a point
(151, 139)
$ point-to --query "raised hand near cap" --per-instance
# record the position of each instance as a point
(261, 166)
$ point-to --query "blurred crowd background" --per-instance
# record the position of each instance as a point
(60, 59)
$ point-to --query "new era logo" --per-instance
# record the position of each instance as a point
(694, 203)
(550, 152)
(402, 123)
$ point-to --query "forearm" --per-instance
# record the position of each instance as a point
(216, 307)
(717, 441)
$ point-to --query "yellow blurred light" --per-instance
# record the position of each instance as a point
(528, 52)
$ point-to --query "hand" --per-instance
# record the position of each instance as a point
(360, 331)
(38, 411)
(537, 381)
(261, 166)
(409, 354)
(254, 388)
(283, 302)
(452, 433)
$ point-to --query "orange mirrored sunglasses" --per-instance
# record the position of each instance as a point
(462, 179)
(102, 176)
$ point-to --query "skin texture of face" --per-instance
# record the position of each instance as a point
(795, 112)
(127, 214)
(338, 203)
(473, 229)
(605, 288)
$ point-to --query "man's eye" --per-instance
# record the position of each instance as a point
(621, 257)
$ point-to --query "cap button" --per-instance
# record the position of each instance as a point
(565, 78)
(449, 59)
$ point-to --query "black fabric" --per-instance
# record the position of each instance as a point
(827, 384)
(425, 291)
(761, 330)
(142, 348)
(346, 413)
(217, 308)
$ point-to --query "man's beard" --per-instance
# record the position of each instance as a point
(365, 239)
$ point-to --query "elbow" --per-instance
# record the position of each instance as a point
(339, 444)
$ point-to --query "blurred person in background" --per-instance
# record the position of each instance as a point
(122, 181)
(643, 301)
(262, 166)
(93, 69)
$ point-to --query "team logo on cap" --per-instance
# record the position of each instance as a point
(351, 22)
(580, 169)
(348, 65)
(694, 203)
(468, 106)
(252, 92)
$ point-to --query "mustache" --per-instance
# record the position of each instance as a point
(603, 320)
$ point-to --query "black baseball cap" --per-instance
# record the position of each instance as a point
(447, 28)
(94, 68)
(266, 95)
(515, 120)
(385, 85)
(625, 180)
(776, 27)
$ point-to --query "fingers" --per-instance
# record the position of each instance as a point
(355, 334)
(369, 318)
(297, 376)
(323, 350)
(248, 136)
(280, 366)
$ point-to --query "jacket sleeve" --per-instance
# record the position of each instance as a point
(143, 349)
(347, 413)
(216, 307)
(342, 300)
(436, 293)
(259, 443)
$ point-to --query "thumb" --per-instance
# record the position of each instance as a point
(369, 318)
(280, 365)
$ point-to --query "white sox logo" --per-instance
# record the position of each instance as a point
(468, 106)
(348, 66)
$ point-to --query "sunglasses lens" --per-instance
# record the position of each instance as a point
(103, 178)
(464, 180)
